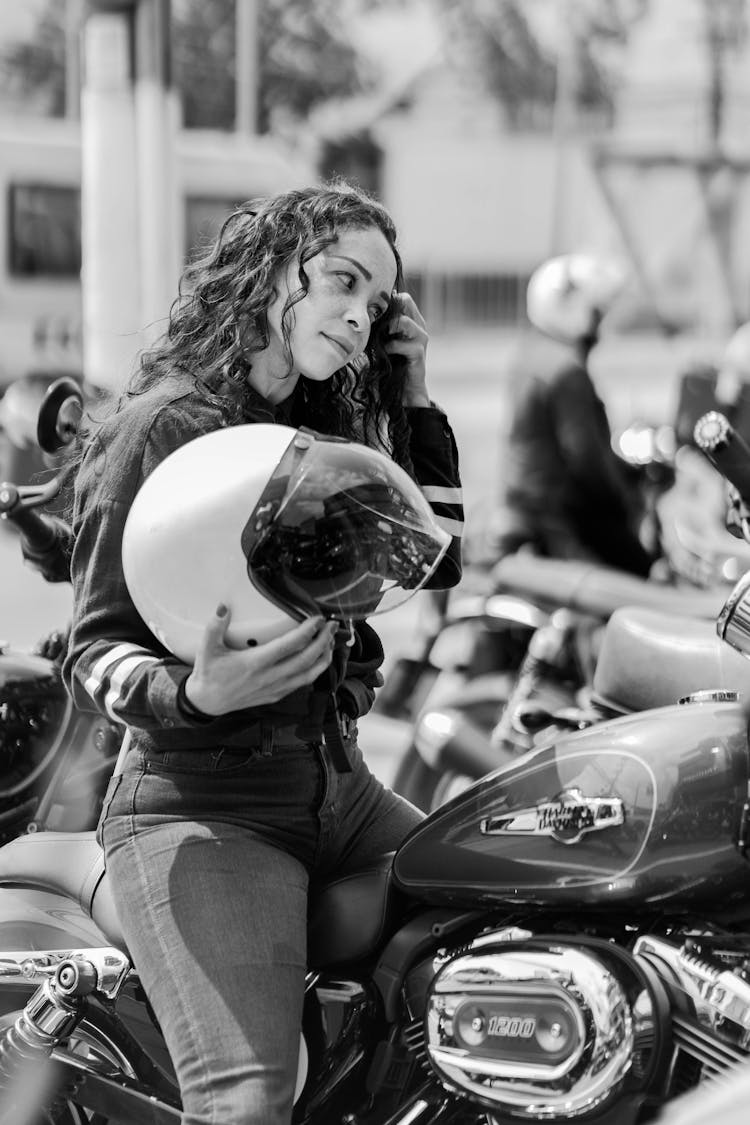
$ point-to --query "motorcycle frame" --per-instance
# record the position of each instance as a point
(346, 1053)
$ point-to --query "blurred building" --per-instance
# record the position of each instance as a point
(480, 200)
(43, 318)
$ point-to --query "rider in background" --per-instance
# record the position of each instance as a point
(564, 491)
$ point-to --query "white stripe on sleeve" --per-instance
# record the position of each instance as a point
(124, 670)
(98, 672)
(441, 494)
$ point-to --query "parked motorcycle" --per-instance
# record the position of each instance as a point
(581, 617)
(568, 939)
(542, 624)
(55, 761)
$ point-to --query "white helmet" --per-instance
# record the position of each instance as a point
(567, 296)
(277, 524)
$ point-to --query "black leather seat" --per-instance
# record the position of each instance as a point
(348, 916)
(650, 659)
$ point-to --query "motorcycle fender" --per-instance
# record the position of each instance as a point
(35, 920)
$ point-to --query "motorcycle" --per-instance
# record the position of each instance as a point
(566, 939)
(542, 621)
(577, 617)
(55, 761)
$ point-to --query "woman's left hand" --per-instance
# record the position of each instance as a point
(407, 338)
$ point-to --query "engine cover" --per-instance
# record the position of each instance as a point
(541, 1030)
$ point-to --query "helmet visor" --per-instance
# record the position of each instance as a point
(340, 530)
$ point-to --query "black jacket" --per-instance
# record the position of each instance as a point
(564, 488)
(115, 663)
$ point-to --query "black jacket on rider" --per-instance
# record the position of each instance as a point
(115, 663)
(564, 490)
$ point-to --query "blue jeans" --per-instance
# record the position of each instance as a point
(210, 854)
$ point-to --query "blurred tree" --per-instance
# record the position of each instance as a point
(303, 57)
(501, 42)
(32, 72)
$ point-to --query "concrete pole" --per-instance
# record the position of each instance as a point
(131, 223)
(159, 217)
(110, 275)
(246, 66)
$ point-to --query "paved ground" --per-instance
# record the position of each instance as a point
(636, 378)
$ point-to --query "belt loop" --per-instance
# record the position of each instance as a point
(266, 740)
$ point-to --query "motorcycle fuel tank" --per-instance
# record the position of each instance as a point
(649, 809)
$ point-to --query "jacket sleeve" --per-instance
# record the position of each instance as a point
(114, 663)
(53, 563)
(434, 456)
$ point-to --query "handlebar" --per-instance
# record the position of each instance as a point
(725, 449)
(44, 538)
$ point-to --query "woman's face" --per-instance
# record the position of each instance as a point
(350, 286)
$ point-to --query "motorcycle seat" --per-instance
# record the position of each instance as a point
(597, 590)
(348, 918)
(649, 659)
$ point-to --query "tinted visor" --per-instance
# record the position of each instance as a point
(341, 531)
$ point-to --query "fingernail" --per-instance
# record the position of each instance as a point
(221, 610)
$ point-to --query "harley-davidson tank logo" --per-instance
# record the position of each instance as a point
(567, 818)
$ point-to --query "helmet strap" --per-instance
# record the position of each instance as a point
(336, 736)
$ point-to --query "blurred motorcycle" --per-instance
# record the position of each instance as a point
(499, 668)
(55, 761)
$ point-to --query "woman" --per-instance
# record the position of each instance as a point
(230, 801)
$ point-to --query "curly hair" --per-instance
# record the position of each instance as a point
(233, 283)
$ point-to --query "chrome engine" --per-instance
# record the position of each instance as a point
(542, 1029)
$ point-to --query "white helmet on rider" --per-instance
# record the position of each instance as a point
(567, 296)
(278, 525)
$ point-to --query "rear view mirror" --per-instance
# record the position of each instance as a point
(59, 415)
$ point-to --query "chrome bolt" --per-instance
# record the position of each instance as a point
(67, 976)
(555, 1030)
(477, 1024)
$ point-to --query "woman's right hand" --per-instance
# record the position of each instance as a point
(225, 679)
